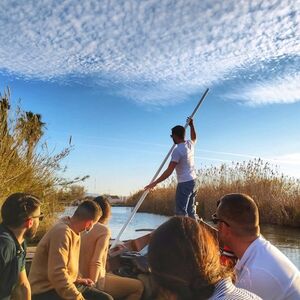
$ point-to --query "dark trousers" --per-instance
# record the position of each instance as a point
(88, 293)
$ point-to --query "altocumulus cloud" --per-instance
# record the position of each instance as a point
(153, 50)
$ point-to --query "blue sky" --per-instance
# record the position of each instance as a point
(117, 75)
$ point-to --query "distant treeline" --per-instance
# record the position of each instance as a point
(277, 195)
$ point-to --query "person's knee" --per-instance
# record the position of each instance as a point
(140, 287)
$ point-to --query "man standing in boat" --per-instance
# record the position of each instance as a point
(182, 160)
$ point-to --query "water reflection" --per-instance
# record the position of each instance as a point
(140, 221)
(285, 238)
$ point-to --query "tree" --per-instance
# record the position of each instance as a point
(4, 108)
(32, 129)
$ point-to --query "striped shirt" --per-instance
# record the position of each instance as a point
(225, 290)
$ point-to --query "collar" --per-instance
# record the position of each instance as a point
(19, 248)
(248, 253)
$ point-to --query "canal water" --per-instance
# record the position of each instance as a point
(287, 239)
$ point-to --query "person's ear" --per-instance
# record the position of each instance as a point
(87, 224)
(28, 223)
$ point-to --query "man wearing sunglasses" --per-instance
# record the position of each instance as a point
(20, 219)
(261, 267)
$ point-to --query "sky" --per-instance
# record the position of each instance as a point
(117, 75)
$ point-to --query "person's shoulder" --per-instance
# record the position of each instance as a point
(226, 290)
(59, 231)
(240, 293)
(269, 255)
(101, 229)
(6, 240)
(7, 247)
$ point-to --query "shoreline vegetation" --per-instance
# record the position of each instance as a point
(27, 165)
(277, 195)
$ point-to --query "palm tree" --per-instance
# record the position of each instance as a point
(4, 108)
(32, 129)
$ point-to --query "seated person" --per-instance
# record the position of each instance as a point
(185, 263)
(93, 255)
(20, 219)
(54, 270)
(262, 268)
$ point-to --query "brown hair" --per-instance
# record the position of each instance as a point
(184, 259)
(105, 207)
(17, 208)
(241, 210)
(88, 210)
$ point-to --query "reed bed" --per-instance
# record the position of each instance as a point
(26, 164)
(277, 195)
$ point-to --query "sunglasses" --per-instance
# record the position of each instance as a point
(41, 217)
(217, 220)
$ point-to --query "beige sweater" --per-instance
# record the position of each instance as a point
(93, 254)
(55, 263)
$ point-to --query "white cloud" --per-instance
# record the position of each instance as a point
(167, 47)
(280, 90)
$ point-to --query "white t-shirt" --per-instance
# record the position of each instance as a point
(267, 272)
(183, 155)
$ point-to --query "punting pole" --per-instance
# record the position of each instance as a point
(139, 203)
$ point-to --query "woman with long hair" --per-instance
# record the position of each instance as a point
(93, 255)
(185, 263)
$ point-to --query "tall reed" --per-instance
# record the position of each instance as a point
(277, 195)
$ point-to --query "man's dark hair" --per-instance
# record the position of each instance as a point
(241, 210)
(88, 210)
(178, 131)
(17, 208)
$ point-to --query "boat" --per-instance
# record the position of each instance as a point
(135, 251)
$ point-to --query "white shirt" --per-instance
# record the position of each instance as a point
(183, 155)
(267, 272)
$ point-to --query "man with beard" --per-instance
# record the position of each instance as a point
(20, 219)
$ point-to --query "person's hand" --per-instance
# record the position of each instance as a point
(150, 186)
(85, 281)
(189, 120)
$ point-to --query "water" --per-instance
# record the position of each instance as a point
(285, 238)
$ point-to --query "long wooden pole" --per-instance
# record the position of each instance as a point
(144, 195)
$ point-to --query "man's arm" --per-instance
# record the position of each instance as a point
(192, 129)
(22, 290)
(163, 176)
(96, 269)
